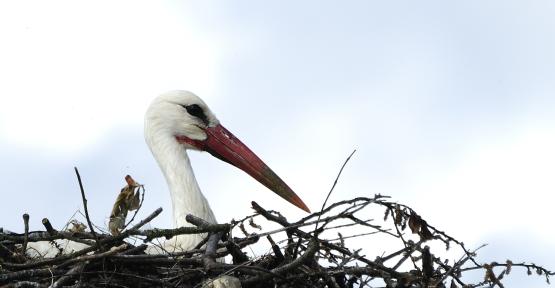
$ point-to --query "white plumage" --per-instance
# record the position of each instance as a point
(164, 118)
(180, 120)
(175, 122)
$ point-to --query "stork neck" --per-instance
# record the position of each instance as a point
(185, 193)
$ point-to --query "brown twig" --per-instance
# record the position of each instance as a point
(70, 274)
(309, 253)
(26, 237)
(85, 206)
(106, 241)
(331, 190)
(168, 233)
(48, 226)
(327, 244)
(321, 262)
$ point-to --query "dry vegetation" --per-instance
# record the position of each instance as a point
(306, 257)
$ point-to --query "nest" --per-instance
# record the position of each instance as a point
(306, 255)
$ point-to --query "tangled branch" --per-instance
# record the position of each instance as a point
(309, 252)
(305, 258)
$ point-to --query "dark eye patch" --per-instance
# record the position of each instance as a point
(196, 110)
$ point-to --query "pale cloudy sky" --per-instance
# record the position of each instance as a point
(451, 105)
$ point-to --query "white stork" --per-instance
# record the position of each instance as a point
(175, 122)
(178, 121)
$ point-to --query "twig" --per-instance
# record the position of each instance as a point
(46, 236)
(85, 206)
(365, 201)
(5, 252)
(325, 243)
(331, 190)
(209, 257)
(458, 264)
(407, 252)
(125, 266)
(238, 256)
(168, 233)
(197, 221)
(75, 270)
(275, 248)
(309, 253)
(26, 224)
(107, 240)
(141, 223)
(27, 284)
(25, 274)
(112, 251)
(48, 226)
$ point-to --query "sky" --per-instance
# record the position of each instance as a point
(450, 105)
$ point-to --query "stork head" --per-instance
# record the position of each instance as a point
(185, 118)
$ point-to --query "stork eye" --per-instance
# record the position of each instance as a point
(196, 110)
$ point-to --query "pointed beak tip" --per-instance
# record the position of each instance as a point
(225, 146)
(299, 203)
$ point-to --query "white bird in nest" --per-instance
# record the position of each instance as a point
(178, 121)
(175, 122)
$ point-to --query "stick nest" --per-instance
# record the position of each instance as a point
(309, 252)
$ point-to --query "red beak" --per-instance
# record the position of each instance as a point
(226, 147)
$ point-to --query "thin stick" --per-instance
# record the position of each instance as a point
(26, 224)
(209, 257)
(168, 233)
(309, 253)
(48, 226)
(76, 270)
(458, 264)
(331, 190)
(305, 235)
(106, 241)
(85, 205)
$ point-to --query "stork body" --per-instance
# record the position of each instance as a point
(179, 120)
(174, 162)
(185, 193)
(175, 122)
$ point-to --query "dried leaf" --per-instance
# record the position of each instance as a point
(404, 223)
(127, 200)
(509, 266)
(341, 240)
(386, 214)
(116, 224)
(419, 226)
(254, 225)
(529, 272)
(539, 271)
(425, 233)
(398, 215)
(77, 227)
(242, 227)
(489, 276)
(414, 222)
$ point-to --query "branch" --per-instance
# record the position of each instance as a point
(332, 187)
(85, 205)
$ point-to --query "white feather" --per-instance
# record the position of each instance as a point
(164, 119)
